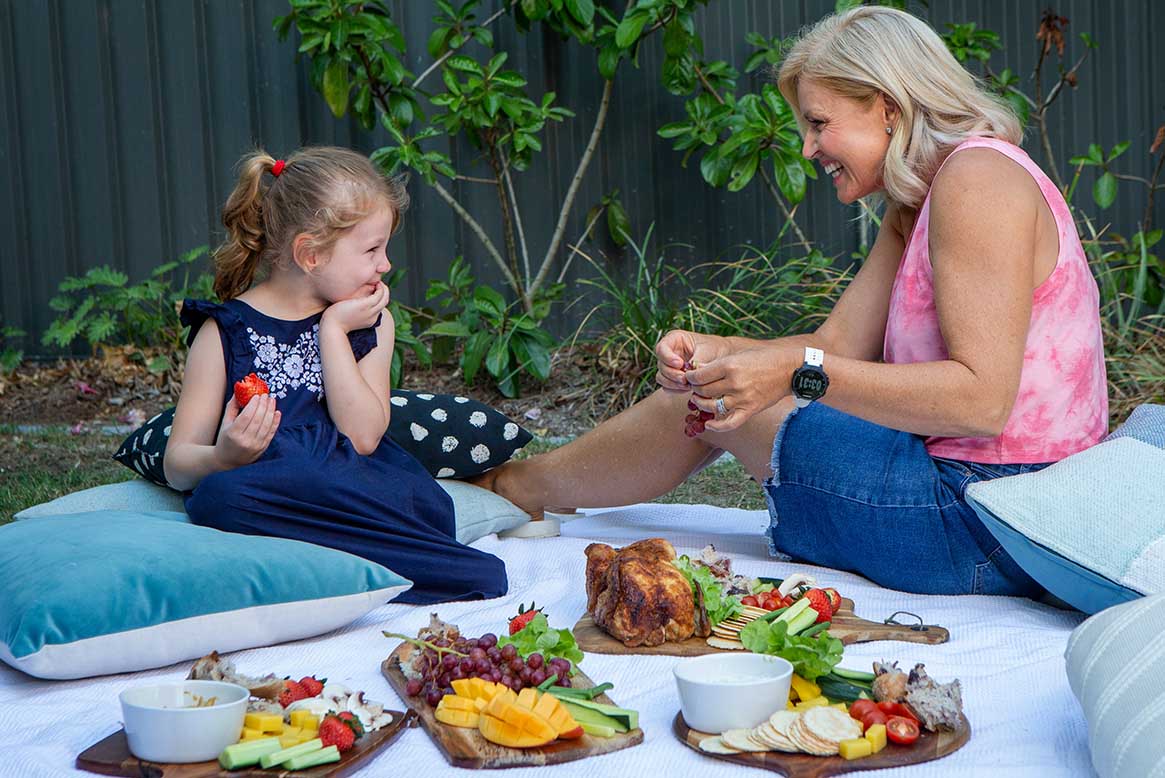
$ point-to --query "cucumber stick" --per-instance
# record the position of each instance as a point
(247, 753)
(279, 757)
(853, 675)
(313, 758)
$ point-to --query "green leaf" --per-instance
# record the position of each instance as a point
(841, 6)
(498, 358)
(675, 40)
(436, 43)
(715, 169)
(582, 10)
(1117, 150)
(336, 87)
(1095, 153)
(1104, 190)
(454, 329)
(608, 62)
(629, 29)
(618, 225)
(536, 357)
(465, 64)
(790, 179)
(742, 172)
(475, 349)
(401, 109)
(509, 78)
(489, 302)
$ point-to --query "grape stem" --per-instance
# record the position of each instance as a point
(424, 644)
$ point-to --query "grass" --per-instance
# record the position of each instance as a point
(39, 466)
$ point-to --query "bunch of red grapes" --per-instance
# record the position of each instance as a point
(694, 421)
(482, 659)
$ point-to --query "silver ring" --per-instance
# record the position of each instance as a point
(721, 408)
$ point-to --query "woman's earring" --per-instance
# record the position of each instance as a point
(889, 131)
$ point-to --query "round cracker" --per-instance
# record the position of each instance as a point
(769, 734)
(714, 745)
(807, 742)
(727, 645)
(831, 725)
(740, 740)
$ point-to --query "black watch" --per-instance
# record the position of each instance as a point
(809, 380)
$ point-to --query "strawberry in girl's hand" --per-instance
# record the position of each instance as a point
(524, 617)
(292, 691)
(819, 601)
(312, 685)
(249, 387)
(340, 731)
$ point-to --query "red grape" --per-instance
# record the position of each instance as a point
(534, 661)
(413, 687)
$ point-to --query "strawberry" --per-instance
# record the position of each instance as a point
(834, 599)
(353, 721)
(312, 685)
(250, 386)
(819, 601)
(292, 691)
(524, 617)
(338, 732)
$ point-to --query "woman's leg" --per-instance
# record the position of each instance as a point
(636, 456)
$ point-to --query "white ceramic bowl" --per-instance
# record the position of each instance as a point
(719, 692)
(163, 722)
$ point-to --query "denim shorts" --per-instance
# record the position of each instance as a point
(852, 495)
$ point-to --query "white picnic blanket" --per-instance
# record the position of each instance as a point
(1007, 652)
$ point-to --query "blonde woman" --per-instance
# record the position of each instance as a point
(967, 347)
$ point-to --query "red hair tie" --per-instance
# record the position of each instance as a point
(277, 168)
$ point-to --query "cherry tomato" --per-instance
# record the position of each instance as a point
(748, 599)
(873, 717)
(860, 708)
(786, 601)
(901, 730)
(897, 709)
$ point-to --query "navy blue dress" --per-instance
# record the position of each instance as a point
(311, 484)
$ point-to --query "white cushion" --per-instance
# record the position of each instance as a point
(479, 512)
(1116, 663)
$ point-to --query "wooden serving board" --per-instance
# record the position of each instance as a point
(847, 628)
(465, 747)
(928, 747)
(111, 756)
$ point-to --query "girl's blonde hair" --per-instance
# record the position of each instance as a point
(321, 191)
(872, 49)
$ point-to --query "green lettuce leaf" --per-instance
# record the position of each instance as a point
(719, 605)
(811, 657)
(539, 637)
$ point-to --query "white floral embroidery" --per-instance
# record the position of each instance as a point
(289, 366)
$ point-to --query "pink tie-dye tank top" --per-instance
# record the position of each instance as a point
(1062, 404)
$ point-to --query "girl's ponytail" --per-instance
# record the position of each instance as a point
(237, 259)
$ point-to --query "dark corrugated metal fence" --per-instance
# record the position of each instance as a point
(121, 121)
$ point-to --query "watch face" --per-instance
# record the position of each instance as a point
(809, 383)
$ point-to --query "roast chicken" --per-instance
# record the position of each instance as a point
(638, 596)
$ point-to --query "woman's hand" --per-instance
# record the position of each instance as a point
(244, 435)
(679, 351)
(747, 382)
(357, 312)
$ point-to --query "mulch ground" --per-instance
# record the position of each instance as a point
(115, 389)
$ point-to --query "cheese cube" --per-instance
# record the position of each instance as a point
(300, 718)
(251, 734)
(877, 737)
(264, 722)
(855, 749)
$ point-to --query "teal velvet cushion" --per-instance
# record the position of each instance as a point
(103, 592)
(479, 512)
(1115, 663)
(1090, 528)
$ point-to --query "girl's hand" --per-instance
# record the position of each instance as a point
(679, 351)
(357, 312)
(747, 381)
(244, 435)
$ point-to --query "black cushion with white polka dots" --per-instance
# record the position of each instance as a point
(451, 436)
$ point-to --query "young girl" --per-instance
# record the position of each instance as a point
(310, 461)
